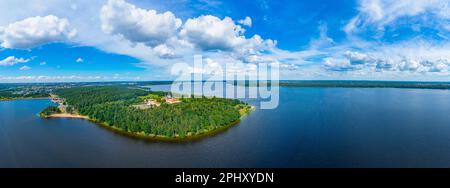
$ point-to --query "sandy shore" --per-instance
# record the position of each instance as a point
(75, 116)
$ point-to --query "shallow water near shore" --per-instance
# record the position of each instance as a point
(312, 127)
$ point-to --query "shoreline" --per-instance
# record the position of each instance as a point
(66, 115)
(30, 98)
(150, 137)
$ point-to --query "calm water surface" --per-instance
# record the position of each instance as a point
(312, 127)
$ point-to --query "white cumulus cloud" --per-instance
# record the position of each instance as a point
(12, 60)
(164, 51)
(138, 25)
(35, 31)
(79, 60)
(380, 13)
(25, 68)
(247, 21)
(211, 33)
(413, 57)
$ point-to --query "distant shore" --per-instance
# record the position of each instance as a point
(26, 98)
(354, 84)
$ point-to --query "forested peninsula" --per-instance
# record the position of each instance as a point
(146, 113)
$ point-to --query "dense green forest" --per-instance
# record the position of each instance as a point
(49, 111)
(113, 106)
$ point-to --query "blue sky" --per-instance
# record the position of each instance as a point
(108, 40)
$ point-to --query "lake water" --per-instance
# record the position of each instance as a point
(312, 127)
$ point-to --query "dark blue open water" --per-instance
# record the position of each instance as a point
(312, 127)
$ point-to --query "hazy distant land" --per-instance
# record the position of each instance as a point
(14, 91)
(354, 84)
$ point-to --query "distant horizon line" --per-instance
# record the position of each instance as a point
(129, 81)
